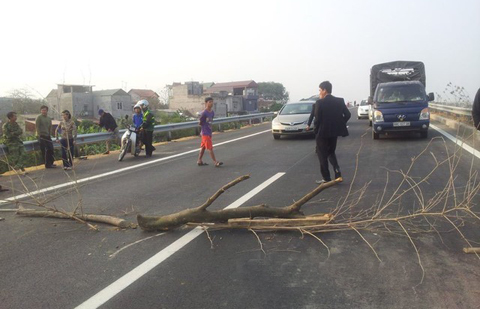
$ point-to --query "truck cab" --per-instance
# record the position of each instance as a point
(400, 107)
(398, 98)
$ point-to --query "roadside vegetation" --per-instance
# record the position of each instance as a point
(88, 126)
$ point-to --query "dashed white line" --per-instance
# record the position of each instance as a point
(116, 287)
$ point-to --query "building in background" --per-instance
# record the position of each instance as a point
(115, 101)
(241, 98)
(84, 103)
(140, 94)
(231, 98)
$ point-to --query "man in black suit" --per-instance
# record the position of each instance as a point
(331, 116)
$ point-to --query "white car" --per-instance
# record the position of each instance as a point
(363, 109)
(292, 119)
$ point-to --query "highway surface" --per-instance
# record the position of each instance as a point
(52, 263)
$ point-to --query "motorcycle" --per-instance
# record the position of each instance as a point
(129, 143)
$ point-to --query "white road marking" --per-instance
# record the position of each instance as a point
(457, 141)
(121, 170)
(116, 287)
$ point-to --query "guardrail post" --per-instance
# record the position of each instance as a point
(250, 121)
(169, 136)
(220, 127)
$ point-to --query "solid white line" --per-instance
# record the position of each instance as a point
(457, 141)
(120, 284)
(121, 170)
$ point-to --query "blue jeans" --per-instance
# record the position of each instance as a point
(67, 152)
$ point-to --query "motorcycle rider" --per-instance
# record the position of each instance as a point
(137, 122)
(147, 127)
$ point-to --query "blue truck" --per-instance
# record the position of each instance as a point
(398, 98)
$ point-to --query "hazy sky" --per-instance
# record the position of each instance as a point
(148, 44)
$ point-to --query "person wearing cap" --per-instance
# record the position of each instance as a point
(108, 122)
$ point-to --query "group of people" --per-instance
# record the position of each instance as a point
(329, 113)
(66, 134)
(12, 135)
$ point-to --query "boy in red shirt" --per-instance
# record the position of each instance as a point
(206, 120)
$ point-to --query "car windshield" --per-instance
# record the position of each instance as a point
(363, 103)
(300, 108)
(402, 93)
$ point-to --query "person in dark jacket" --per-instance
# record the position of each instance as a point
(476, 110)
(331, 116)
(108, 122)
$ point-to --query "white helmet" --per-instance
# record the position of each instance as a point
(138, 105)
(142, 103)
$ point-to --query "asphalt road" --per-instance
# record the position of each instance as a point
(51, 263)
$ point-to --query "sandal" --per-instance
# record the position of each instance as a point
(201, 163)
(218, 164)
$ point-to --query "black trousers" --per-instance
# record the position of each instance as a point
(326, 152)
(147, 141)
(67, 152)
(46, 146)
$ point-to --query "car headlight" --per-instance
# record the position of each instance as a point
(424, 114)
(378, 116)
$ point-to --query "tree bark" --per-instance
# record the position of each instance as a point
(202, 215)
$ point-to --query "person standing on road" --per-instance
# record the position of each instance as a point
(476, 110)
(108, 122)
(69, 135)
(147, 128)
(331, 116)
(12, 138)
(206, 120)
(43, 126)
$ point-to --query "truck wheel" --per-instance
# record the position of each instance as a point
(276, 136)
(375, 135)
(424, 134)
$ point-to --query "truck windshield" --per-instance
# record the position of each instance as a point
(400, 93)
(299, 108)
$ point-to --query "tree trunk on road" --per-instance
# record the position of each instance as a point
(202, 215)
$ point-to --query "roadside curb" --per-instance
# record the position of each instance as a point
(462, 130)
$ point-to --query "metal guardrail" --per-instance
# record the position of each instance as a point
(461, 111)
(91, 138)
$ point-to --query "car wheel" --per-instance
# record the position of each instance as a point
(370, 123)
(424, 134)
(276, 136)
(375, 135)
(358, 117)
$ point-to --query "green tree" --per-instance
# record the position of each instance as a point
(273, 91)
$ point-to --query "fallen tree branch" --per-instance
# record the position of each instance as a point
(121, 223)
(472, 250)
(202, 215)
